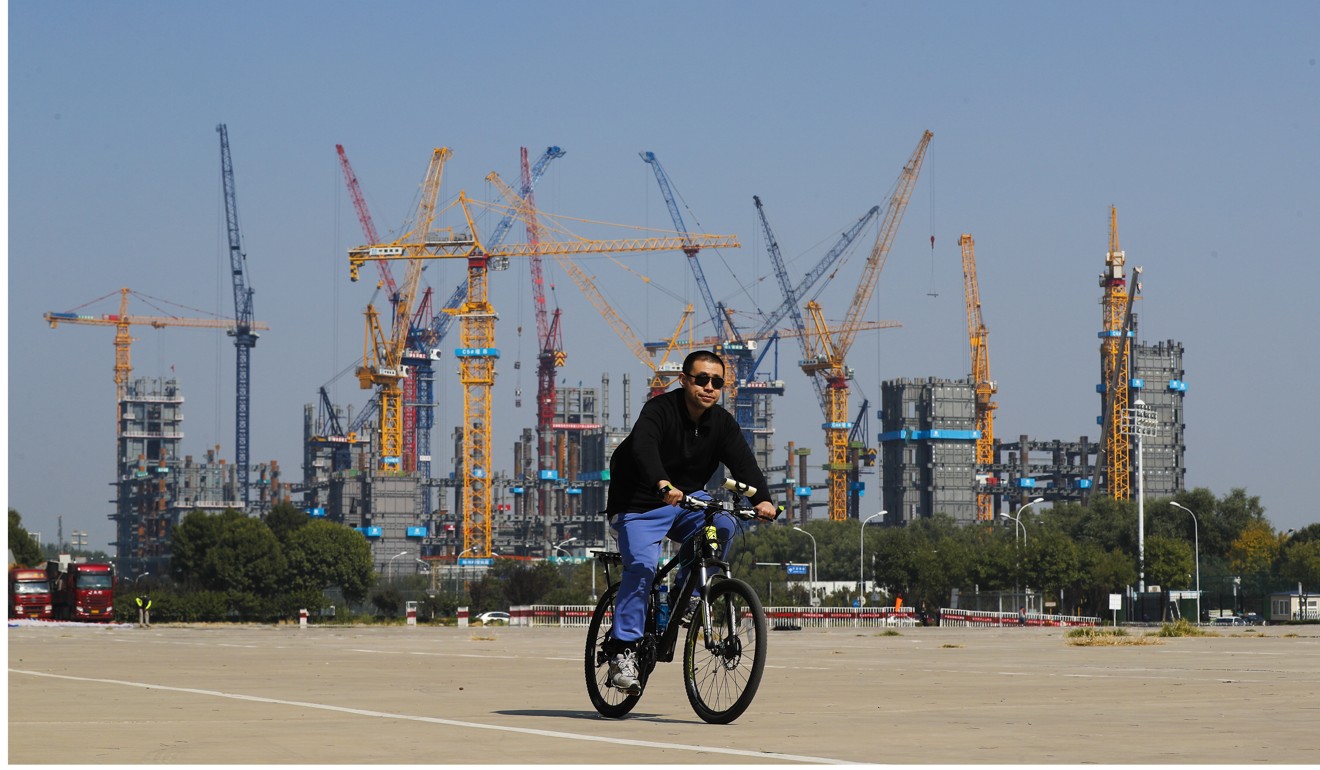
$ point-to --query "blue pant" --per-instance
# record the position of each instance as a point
(640, 535)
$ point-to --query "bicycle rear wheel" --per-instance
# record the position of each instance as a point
(608, 699)
(721, 679)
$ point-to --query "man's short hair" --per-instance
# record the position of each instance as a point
(700, 355)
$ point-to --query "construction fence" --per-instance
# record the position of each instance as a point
(985, 618)
(579, 615)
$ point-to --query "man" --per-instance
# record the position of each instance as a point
(679, 440)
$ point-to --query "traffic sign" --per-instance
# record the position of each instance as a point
(796, 569)
(476, 561)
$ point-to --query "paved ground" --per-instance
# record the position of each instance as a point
(405, 695)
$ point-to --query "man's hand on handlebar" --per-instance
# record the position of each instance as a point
(767, 510)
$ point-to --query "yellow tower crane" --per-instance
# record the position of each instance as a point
(477, 352)
(382, 357)
(979, 337)
(827, 350)
(124, 339)
(1115, 368)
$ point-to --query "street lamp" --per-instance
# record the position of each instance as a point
(813, 555)
(1017, 521)
(139, 577)
(389, 568)
(1197, 538)
(559, 548)
(861, 559)
(458, 567)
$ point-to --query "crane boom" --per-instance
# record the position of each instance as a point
(884, 239)
(244, 338)
(717, 316)
(364, 219)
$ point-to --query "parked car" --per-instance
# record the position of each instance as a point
(1252, 619)
(1229, 621)
(493, 618)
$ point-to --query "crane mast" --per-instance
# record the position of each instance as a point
(244, 337)
(1115, 367)
(984, 387)
(830, 351)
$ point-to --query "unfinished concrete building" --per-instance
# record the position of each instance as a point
(928, 459)
(156, 487)
(928, 449)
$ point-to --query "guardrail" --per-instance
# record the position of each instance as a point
(985, 618)
(573, 615)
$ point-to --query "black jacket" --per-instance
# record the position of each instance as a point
(666, 444)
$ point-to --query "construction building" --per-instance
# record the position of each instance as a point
(928, 446)
(156, 487)
(928, 449)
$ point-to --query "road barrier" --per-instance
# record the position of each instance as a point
(573, 615)
(986, 618)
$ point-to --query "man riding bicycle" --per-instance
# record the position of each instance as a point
(679, 440)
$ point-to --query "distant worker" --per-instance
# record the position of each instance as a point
(1022, 616)
(144, 610)
(679, 440)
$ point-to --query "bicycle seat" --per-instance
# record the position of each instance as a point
(609, 557)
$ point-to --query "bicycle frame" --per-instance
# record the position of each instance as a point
(702, 550)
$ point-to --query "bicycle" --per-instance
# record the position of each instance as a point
(725, 648)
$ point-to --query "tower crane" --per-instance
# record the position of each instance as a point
(382, 356)
(829, 348)
(122, 321)
(1115, 366)
(426, 329)
(978, 337)
(244, 338)
(477, 352)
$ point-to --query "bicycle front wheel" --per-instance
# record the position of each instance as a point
(721, 675)
(609, 700)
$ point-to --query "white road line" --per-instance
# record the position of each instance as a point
(767, 756)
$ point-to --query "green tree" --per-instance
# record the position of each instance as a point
(1170, 562)
(284, 518)
(322, 554)
(1301, 564)
(27, 551)
(227, 552)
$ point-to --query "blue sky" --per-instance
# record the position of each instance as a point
(1198, 120)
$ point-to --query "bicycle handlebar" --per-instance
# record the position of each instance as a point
(740, 490)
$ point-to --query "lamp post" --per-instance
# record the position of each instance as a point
(813, 555)
(861, 558)
(139, 577)
(458, 559)
(1017, 521)
(1196, 535)
(565, 542)
(390, 564)
(1141, 423)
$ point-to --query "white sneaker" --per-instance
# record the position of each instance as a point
(623, 672)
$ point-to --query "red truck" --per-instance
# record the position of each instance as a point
(82, 590)
(29, 593)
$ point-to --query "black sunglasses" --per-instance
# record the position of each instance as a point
(703, 379)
